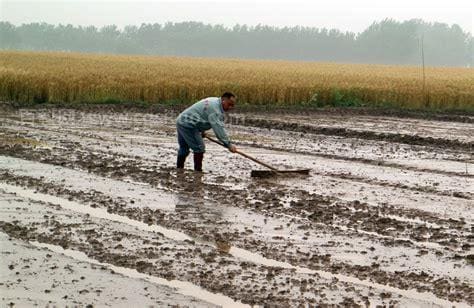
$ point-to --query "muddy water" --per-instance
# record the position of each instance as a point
(368, 226)
(59, 277)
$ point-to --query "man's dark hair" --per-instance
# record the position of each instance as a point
(228, 95)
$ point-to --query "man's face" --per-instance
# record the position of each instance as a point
(228, 103)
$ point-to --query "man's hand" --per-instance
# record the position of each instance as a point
(232, 148)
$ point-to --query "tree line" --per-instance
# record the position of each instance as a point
(385, 42)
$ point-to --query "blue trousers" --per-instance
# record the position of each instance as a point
(189, 138)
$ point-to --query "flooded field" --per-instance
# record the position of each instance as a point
(93, 212)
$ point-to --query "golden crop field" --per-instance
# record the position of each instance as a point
(74, 77)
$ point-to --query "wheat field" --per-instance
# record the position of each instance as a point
(38, 77)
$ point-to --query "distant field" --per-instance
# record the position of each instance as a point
(39, 77)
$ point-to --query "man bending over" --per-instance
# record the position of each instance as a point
(194, 121)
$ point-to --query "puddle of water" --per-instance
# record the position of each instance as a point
(383, 174)
(42, 270)
(182, 287)
(95, 212)
(431, 245)
(445, 165)
(376, 195)
(142, 194)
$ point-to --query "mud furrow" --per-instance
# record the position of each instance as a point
(345, 132)
(423, 128)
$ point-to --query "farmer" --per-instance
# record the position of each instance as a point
(194, 121)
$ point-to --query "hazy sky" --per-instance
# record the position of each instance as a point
(345, 15)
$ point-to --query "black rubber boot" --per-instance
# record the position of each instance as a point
(180, 162)
(198, 157)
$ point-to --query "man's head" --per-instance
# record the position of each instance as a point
(228, 101)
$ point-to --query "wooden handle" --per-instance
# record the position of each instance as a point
(245, 155)
(256, 160)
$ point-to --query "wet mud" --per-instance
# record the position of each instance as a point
(375, 222)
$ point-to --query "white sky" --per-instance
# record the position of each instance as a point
(345, 15)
